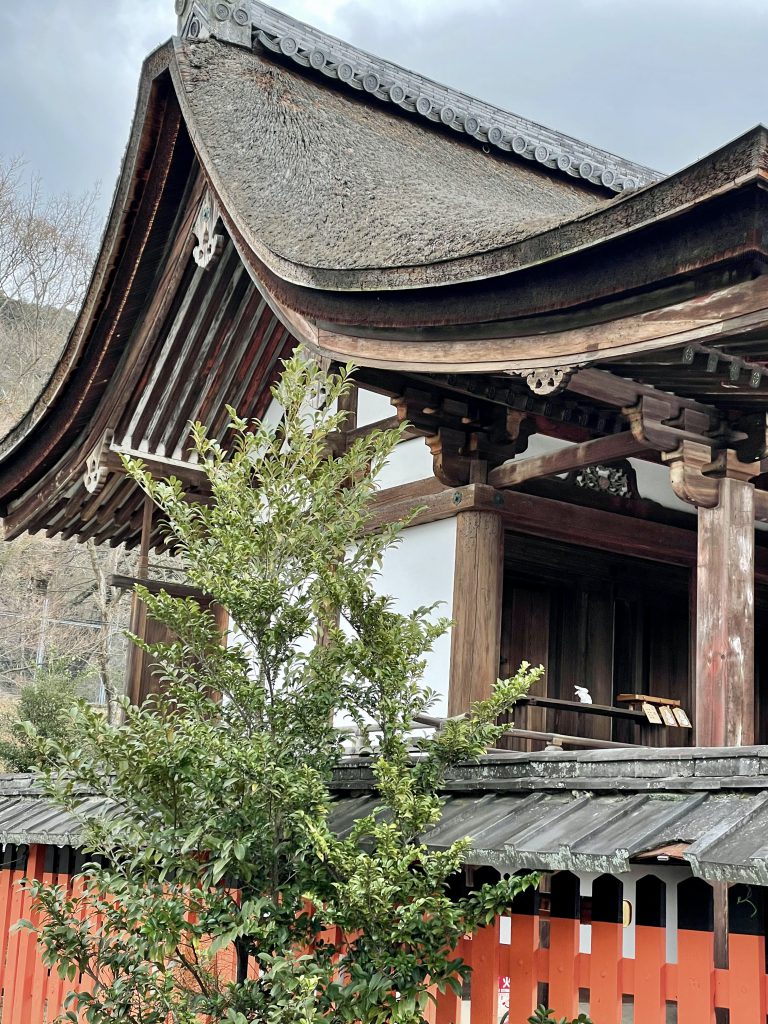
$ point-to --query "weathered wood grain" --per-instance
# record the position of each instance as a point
(589, 453)
(477, 587)
(725, 607)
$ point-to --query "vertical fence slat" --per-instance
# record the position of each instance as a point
(5, 907)
(695, 952)
(650, 950)
(28, 963)
(485, 974)
(40, 981)
(565, 915)
(448, 1009)
(607, 944)
(746, 954)
(57, 986)
(14, 937)
(521, 956)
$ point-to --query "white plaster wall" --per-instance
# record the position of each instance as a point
(372, 407)
(419, 571)
(410, 461)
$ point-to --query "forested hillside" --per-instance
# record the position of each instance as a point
(55, 603)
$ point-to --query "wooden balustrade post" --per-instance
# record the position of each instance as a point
(695, 952)
(564, 926)
(607, 950)
(476, 632)
(650, 950)
(521, 956)
(746, 954)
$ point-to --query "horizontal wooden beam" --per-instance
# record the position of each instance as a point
(160, 466)
(573, 457)
(120, 582)
(579, 708)
(534, 516)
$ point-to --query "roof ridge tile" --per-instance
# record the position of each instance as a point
(253, 24)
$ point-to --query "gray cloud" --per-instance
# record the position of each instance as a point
(661, 81)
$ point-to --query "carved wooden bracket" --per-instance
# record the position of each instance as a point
(97, 464)
(465, 439)
(686, 465)
(209, 244)
(545, 380)
(695, 472)
(656, 422)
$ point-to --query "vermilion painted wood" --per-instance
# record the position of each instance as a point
(563, 966)
(485, 974)
(5, 914)
(695, 977)
(28, 962)
(746, 971)
(746, 954)
(42, 975)
(564, 944)
(521, 967)
(694, 987)
(448, 1008)
(58, 987)
(650, 957)
(14, 938)
(604, 972)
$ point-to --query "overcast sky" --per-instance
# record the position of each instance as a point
(662, 82)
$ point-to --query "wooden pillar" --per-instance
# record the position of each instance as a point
(136, 659)
(476, 635)
(725, 618)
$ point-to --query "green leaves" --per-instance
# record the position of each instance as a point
(219, 839)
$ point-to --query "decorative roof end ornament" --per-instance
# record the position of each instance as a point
(97, 466)
(545, 380)
(209, 244)
(227, 20)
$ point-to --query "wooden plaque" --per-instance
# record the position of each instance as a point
(667, 715)
(682, 719)
(652, 714)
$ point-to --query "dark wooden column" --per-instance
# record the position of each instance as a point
(135, 667)
(476, 636)
(725, 618)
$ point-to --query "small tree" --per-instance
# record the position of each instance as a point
(44, 709)
(221, 834)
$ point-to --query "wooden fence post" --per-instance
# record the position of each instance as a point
(607, 950)
(564, 921)
(746, 953)
(650, 950)
(448, 1008)
(14, 938)
(485, 974)
(521, 956)
(695, 952)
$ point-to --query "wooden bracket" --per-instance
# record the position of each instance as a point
(658, 424)
(209, 244)
(97, 465)
(695, 472)
(466, 439)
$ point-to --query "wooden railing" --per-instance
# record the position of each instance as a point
(559, 947)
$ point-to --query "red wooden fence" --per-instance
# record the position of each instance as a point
(533, 956)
